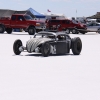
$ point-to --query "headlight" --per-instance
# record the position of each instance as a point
(38, 24)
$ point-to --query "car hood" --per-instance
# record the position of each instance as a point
(35, 42)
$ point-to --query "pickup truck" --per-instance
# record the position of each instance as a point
(22, 21)
(65, 25)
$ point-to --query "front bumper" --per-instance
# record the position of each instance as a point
(40, 27)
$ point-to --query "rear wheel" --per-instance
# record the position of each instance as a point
(74, 31)
(2, 29)
(45, 49)
(17, 44)
(9, 30)
(31, 30)
(76, 46)
(67, 31)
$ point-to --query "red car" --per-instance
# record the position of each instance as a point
(65, 25)
(22, 21)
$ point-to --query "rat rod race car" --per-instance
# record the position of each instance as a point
(49, 43)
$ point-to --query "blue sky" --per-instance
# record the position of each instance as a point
(68, 7)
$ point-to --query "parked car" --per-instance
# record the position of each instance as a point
(49, 43)
(65, 25)
(21, 21)
(93, 27)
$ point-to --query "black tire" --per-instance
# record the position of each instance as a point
(31, 30)
(2, 29)
(45, 49)
(74, 31)
(9, 30)
(16, 45)
(82, 32)
(67, 31)
(76, 45)
(99, 30)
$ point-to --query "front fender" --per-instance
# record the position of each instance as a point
(35, 42)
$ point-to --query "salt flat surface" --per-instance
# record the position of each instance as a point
(64, 77)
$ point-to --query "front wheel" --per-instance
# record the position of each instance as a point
(31, 30)
(99, 30)
(17, 44)
(9, 30)
(45, 49)
(82, 32)
(76, 45)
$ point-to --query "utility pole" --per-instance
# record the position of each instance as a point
(76, 13)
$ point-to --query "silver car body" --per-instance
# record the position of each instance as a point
(93, 27)
(33, 43)
(48, 43)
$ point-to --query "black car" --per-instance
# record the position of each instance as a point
(49, 43)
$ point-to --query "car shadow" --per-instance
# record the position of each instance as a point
(88, 34)
(19, 34)
(17, 55)
(51, 55)
(92, 34)
(36, 55)
(15, 33)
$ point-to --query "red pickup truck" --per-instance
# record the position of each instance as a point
(22, 21)
(65, 25)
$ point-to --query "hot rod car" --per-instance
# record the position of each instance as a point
(49, 43)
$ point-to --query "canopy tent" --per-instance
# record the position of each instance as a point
(96, 16)
(30, 11)
(35, 13)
